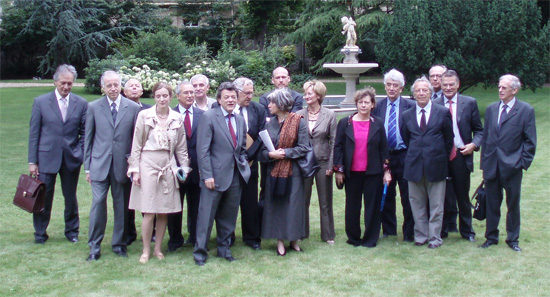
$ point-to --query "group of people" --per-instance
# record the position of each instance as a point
(211, 153)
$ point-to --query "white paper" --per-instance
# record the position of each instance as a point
(264, 135)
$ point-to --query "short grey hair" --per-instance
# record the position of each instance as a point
(394, 74)
(199, 76)
(181, 84)
(64, 68)
(110, 72)
(241, 82)
(516, 83)
(438, 65)
(282, 99)
(423, 79)
(451, 73)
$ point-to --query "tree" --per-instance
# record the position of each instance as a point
(319, 27)
(481, 40)
(51, 32)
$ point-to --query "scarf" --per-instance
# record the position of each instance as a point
(288, 136)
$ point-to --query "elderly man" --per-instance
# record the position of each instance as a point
(133, 91)
(223, 168)
(190, 188)
(56, 146)
(435, 80)
(254, 116)
(391, 109)
(110, 125)
(467, 130)
(201, 85)
(280, 79)
(428, 133)
(508, 147)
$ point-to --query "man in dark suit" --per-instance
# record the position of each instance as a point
(508, 147)
(254, 116)
(133, 91)
(221, 149)
(391, 109)
(467, 130)
(190, 188)
(281, 79)
(110, 125)
(56, 146)
(436, 71)
(428, 133)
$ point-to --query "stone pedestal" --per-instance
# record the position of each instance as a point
(350, 53)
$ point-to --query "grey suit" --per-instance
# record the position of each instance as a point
(322, 138)
(506, 151)
(106, 149)
(219, 159)
(57, 146)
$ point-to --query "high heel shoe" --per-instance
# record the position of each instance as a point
(159, 256)
(281, 254)
(290, 247)
(144, 258)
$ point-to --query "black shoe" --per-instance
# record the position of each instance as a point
(173, 248)
(190, 242)
(121, 253)
(130, 241)
(93, 257)
(230, 259)
(200, 262)
(408, 239)
(444, 235)
(420, 243)
(73, 239)
(453, 229)
(255, 246)
(433, 245)
(40, 241)
(355, 244)
(515, 247)
(487, 244)
(290, 247)
(470, 238)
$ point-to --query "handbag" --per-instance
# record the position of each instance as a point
(29, 194)
(480, 204)
(308, 164)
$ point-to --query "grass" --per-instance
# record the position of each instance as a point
(393, 268)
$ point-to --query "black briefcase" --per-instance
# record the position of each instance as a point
(29, 194)
(480, 202)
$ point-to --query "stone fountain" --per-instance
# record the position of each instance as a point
(350, 68)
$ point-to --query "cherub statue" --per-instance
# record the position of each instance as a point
(349, 29)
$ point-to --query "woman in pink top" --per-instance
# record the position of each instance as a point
(361, 160)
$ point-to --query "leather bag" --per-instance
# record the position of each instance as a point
(29, 194)
(480, 202)
(308, 164)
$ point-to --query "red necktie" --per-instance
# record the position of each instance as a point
(187, 124)
(231, 131)
(453, 151)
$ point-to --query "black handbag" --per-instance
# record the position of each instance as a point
(308, 164)
(480, 203)
(29, 194)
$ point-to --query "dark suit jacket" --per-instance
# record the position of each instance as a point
(382, 106)
(298, 101)
(217, 157)
(429, 151)
(192, 144)
(145, 106)
(469, 123)
(377, 146)
(52, 141)
(107, 143)
(512, 147)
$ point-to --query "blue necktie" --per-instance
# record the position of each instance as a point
(392, 128)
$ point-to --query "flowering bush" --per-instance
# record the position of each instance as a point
(216, 71)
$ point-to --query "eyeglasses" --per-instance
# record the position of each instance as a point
(436, 75)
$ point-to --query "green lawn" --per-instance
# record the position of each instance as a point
(394, 268)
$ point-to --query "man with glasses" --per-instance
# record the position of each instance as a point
(435, 80)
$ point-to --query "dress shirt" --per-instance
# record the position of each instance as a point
(117, 102)
(233, 123)
(400, 144)
(427, 108)
(459, 143)
(182, 112)
(58, 96)
(510, 105)
(244, 112)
